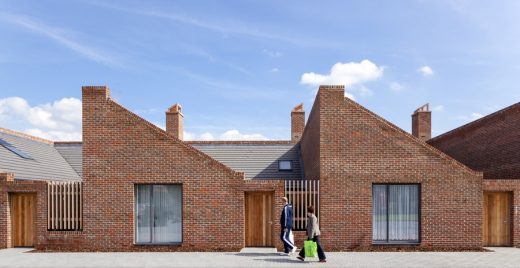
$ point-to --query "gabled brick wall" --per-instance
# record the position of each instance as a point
(490, 144)
(120, 150)
(357, 148)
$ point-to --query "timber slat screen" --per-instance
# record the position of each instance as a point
(64, 203)
(301, 194)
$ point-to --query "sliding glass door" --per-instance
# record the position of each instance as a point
(395, 213)
(158, 214)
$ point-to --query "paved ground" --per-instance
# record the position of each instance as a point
(502, 257)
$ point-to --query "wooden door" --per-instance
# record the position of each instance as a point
(23, 215)
(259, 219)
(497, 219)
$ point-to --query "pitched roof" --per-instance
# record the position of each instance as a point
(258, 160)
(482, 122)
(72, 153)
(46, 162)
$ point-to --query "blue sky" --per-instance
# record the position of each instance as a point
(238, 67)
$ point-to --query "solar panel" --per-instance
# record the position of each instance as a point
(15, 150)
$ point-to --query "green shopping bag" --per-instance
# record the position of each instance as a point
(311, 248)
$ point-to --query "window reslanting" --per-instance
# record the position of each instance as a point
(15, 150)
(285, 165)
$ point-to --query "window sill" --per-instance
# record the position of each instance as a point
(158, 244)
(397, 243)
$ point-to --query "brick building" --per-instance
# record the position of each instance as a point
(145, 189)
(491, 145)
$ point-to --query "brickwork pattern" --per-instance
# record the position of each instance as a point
(358, 148)
(489, 144)
(422, 125)
(120, 150)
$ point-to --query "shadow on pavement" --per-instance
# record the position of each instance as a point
(280, 260)
(258, 254)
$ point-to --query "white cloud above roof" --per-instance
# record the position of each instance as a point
(350, 74)
(58, 120)
(229, 135)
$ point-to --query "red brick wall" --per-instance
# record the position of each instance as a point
(514, 187)
(310, 143)
(490, 144)
(121, 150)
(358, 148)
(422, 125)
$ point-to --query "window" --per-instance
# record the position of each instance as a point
(395, 213)
(158, 210)
(15, 150)
(285, 165)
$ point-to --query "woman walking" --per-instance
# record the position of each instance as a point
(313, 233)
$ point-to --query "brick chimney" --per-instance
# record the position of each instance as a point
(422, 123)
(297, 122)
(174, 121)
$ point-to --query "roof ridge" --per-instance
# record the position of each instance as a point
(26, 136)
(413, 138)
(67, 142)
(244, 142)
(168, 136)
(475, 123)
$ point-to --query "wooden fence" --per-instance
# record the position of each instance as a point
(301, 194)
(64, 206)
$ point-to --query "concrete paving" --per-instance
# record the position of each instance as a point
(501, 257)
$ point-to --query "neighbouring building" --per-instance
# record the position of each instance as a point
(131, 186)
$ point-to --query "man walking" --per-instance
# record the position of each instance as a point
(286, 221)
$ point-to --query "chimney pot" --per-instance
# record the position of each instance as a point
(422, 123)
(175, 121)
(297, 122)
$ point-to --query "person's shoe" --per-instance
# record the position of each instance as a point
(300, 258)
(294, 249)
(284, 254)
(324, 260)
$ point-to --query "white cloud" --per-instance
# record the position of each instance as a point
(348, 95)
(59, 120)
(425, 70)
(230, 135)
(438, 108)
(396, 87)
(207, 137)
(473, 116)
(476, 115)
(348, 74)
(59, 36)
(275, 70)
(236, 135)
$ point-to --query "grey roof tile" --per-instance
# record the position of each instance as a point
(72, 153)
(47, 162)
(257, 161)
